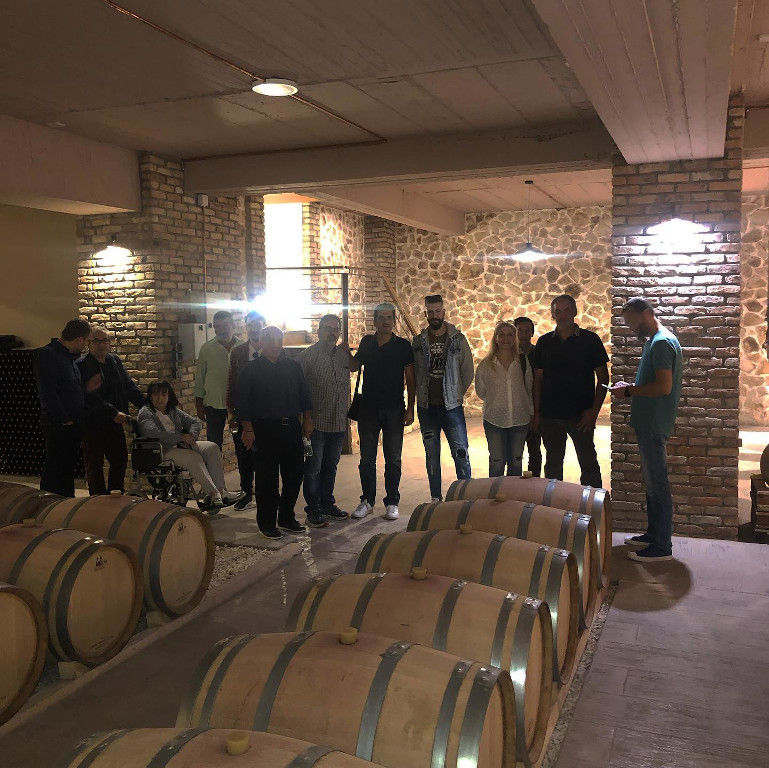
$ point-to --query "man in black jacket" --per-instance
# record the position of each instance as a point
(273, 406)
(60, 391)
(109, 390)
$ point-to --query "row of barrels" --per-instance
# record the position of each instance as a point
(445, 649)
(87, 565)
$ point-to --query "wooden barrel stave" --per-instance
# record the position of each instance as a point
(582, 499)
(174, 545)
(201, 748)
(23, 640)
(524, 520)
(463, 618)
(524, 567)
(402, 703)
(89, 589)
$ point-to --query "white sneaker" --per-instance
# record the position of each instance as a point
(363, 509)
(391, 512)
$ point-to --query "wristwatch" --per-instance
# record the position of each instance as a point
(627, 390)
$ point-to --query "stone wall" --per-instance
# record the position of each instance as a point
(333, 237)
(695, 283)
(482, 283)
(754, 366)
(178, 247)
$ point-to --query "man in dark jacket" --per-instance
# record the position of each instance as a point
(272, 404)
(60, 391)
(109, 390)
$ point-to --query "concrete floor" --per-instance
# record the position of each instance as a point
(679, 678)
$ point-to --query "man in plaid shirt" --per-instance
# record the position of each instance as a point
(326, 367)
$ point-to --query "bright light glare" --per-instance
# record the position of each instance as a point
(274, 86)
(113, 256)
(679, 234)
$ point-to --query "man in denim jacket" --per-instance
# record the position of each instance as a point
(443, 364)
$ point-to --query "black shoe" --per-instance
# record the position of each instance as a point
(215, 510)
(243, 502)
(335, 513)
(317, 520)
(232, 497)
(649, 555)
(271, 533)
(638, 541)
(292, 526)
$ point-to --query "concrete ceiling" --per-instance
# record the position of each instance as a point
(398, 69)
(439, 106)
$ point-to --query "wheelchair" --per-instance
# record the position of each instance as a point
(157, 478)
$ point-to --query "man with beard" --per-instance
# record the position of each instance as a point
(653, 409)
(443, 365)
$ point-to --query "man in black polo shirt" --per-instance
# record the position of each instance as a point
(567, 362)
(60, 389)
(272, 404)
(386, 360)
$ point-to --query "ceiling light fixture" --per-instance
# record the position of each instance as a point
(274, 86)
(529, 252)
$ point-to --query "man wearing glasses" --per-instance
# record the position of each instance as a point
(108, 391)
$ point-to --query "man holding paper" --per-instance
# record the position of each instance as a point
(653, 409)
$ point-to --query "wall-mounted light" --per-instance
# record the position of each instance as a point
(678, 235)
(114, 254)
(274, 86)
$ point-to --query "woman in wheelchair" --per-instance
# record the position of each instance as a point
(178, 432)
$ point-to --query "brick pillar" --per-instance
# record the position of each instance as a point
(178, 247)
(254, 246)
(379, 258)
(695, 286)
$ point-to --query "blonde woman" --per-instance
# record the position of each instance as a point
(504, 381)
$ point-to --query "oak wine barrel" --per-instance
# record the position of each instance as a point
(202, 748)
(18, 502)
(174, 545)
(515, 565)
(23, 641)
(90, 590)
(581, 499)
(524, 520)
(389, 701)
(460, 617)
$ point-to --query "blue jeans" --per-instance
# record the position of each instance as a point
(505, 448)
(659, 500)
(432, 420)
(320, 469)
(388, 421)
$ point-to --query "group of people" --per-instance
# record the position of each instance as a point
(289, 416)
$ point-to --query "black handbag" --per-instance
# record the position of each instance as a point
(353, 412)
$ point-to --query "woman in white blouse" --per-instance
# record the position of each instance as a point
(504, 381)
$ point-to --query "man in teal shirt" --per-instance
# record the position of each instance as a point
(653, 409)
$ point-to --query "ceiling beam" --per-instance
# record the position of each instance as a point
(53, 170)
(536, 150)
(397, 204)
(657, 73)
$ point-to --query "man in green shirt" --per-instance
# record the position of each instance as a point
(653, 409)
(211, 375)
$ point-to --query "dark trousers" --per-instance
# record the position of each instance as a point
(107, 441)
(245, 464)
(320, 469)
(388, 421)
(533, 445)
(433, 420)
(659, 500)
(62, 448)
(278, 456)
(554, 433)
(216, 418)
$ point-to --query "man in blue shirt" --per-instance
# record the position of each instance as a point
(653, 409)
(60, 390)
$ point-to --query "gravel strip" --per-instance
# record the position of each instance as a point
(232, 561)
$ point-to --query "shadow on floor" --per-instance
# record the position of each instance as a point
(649, 587)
